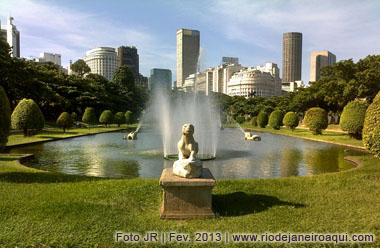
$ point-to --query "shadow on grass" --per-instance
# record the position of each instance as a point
(240, 203)
(8, 158)
(43, 177)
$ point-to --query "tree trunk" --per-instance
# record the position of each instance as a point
(64, 130)
(25, 132)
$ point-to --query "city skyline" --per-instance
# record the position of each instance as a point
(72, 28)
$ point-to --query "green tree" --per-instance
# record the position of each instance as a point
(74, 116)
(240, 119)
(262, 119)
(129, 119)
(80, 67)
(119, 118)
(316, 120)
(89, 116)
(352, 118)
(291, 120)
(371, 129)
(65, 121)
(27, 115)
(106, 117)
(275, 119)
(254, 121)
(123, 77)
(5, 120)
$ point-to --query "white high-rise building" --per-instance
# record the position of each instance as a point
(252, 82)
(50, 57)
(273, 69)
(103, 61)
(12, 36)
(217, 77)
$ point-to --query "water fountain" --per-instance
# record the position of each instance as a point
(172, 112)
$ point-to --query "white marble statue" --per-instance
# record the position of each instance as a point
(187, 165)
(251, 136)
(131, 136)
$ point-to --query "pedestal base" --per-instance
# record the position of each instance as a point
(186, 198)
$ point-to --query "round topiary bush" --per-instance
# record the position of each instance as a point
(316, 120)
(352, 118)
(27, 115)
(129, 119)
(254, 121)
(64, 121)
(262, 119)
(275, 119)
(119, 118)
(74, 116)
(89, 116)
(5, 118)
(240, 119)
(371, 129)
(291, 120)
(106, 117)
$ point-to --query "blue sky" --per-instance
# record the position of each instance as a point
(247, 29)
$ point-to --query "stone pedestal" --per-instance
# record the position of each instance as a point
(186, 198)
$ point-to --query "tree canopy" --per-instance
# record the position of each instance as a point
(80, 67)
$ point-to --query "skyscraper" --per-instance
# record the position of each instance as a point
(291, 57)
(318, 60)
(12, 36)
(128, 56)
(160, 78)
(188, 43)
(102, 61)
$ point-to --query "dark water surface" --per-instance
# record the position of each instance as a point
(109, 155)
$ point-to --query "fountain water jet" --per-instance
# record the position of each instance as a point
(172, 112)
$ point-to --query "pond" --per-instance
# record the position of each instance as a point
(109, 155)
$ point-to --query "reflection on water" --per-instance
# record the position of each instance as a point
(108, 155)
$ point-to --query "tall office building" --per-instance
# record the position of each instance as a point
(188, 44)
(160, 78)
(102, 61)
(128, 56)
(318, 60)
(12, 36)
(291, 57)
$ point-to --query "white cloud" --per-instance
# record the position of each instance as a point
(46, 27)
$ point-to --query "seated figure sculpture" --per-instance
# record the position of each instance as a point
(187, 165)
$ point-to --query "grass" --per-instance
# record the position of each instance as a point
(18, 138)
(40, 208)
(329, 136)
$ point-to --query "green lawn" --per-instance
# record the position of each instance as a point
(330, 136)
(16, 139)
(47, 209)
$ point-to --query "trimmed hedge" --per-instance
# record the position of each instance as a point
(27, 115)
(352, 118)
(129, 119)
(275, 119)
(254, 121)
(89, 116)
(119, 118)
(5, 120)
(291, 120)
(316, 120)
(371, 129)
(106, 117)
(65, 120)
(74, 116)
(262, 119)
(240, 119)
